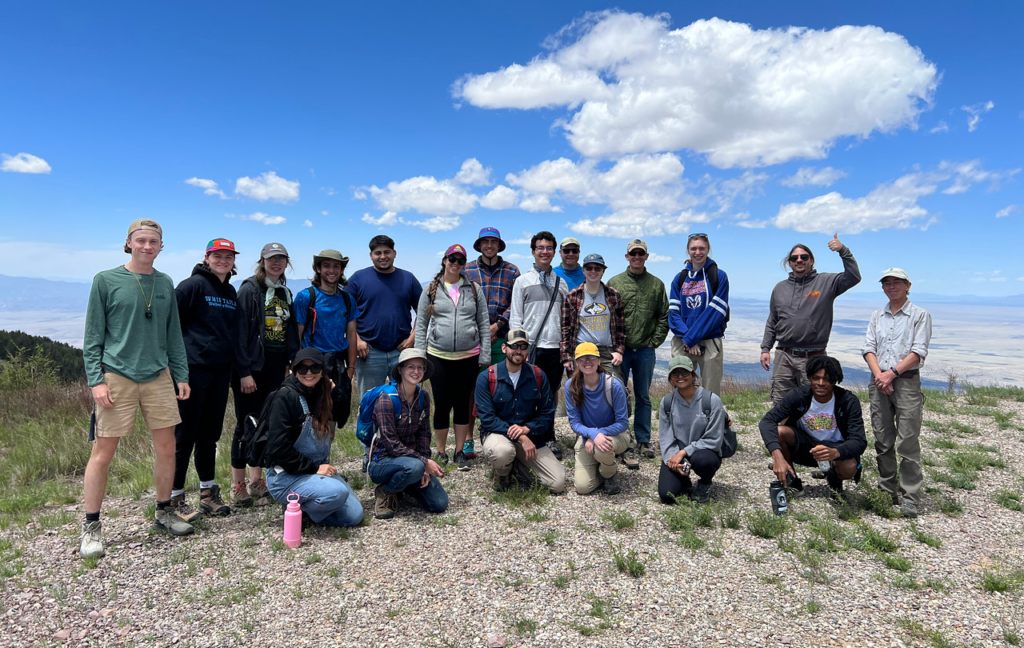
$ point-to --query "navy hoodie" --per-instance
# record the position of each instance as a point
(694, 314)
(207, 309)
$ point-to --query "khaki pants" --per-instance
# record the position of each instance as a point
(591, 469)
(503, 455)
(896, 419)
(710, 362)
(790, 372)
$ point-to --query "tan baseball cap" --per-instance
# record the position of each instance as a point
(898, 273)
(517, 335)
(636, 244)
(145, 224)
(568, 240)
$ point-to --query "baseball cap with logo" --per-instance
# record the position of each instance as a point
(273, 249)
(220, 244)
(898, 273)
(456, 249)
(636, 244)
(489, 232)
(594, 259)
(517, 335)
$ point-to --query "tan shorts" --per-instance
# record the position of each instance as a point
(156, 398)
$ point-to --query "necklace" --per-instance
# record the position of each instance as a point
(152, 293)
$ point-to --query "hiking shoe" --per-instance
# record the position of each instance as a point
(469, 449)
(629, 459)
(259, 492)
(555, 449)
(501, 484)
(645, 451)
(240, 494)
(385, 503)
(794, 485)
(441, 459)
(909, 510)
(182, 509)
(611, 485)
(460, 461)
(835, 485)
(211, 503)
(92, 540)
(167, 520)
(701, 493)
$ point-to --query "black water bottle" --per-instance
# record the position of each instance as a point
(777, 494)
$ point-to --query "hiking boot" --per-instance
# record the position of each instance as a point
(92, 540)
(168, 521)
(909, 510)
(611, 485)
(385, 504)
(835, 485)
(469, 449)
(645, 451)
(211, 503)
(182, 509)
(259, 492)
(441, 459)
(240, 494)
(629, 459)
(555, 449)
(501, 484)
(701, 493)
(460, 461)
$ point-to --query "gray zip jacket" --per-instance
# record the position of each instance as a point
(686, 428)
(530, 298)
(800, 314)
(449, 329)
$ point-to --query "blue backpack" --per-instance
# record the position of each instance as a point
(365, 429)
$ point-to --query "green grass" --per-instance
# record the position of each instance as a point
(998, 392)
(877, 541)
(950, 506)
(896, 562)
(999, 580)
(550, 537)
(627, 562)
(618, 519)
(524, 626)
(536, 516)
(880, 502)
(1009, 499)
(730, 519)
(765, 524)
(536, 495)
(924, 538)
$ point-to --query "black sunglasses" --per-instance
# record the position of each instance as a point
(799, 257)
(638, 252)
(518, 346)
(457, 259)
(304, 369)
(571, 250)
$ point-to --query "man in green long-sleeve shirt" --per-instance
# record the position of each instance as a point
(646, 306)
(134, 355)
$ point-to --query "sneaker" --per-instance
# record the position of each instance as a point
(794, 485)
(182, 509)
(385, 503)
(501, 484)
(469, 449)
(611, 485)
(645, 451)
(168, 521)
(629, 459)
(701, 493)
(259, 492)
(555, 449)
(460, 461)
(211, 503)
(835, 485)
(240, 494)
(441, 459)
(92, 540)
(909, 510)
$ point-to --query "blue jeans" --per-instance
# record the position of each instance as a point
(374, 371)
(404, 474)
(641, 363)
(327, 500)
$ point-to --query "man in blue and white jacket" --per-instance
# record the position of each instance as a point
(698, 311)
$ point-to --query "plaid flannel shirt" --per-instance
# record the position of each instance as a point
(571, 320)
(496, 282)
(409, 435)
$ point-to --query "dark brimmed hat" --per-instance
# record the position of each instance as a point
(273, 249)
(309, 353)
(412, 354)
(489, 232)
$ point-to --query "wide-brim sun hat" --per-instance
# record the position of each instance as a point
(489, 232)
(412, 354)
(332, 255)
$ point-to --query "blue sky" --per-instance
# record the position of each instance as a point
(321, 125)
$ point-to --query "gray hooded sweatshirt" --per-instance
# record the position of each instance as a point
(455, 329)
(686, 427)
(800, 314)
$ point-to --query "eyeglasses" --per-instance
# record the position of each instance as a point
(414, 368)
(571, 250)
(518, 346)
(544, 248)
(588, 359)
(697, 235)
(798, 257)
(637, 252)
(592, 268)
(304, 369)
(457, 259)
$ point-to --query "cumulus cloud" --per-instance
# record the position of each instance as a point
(1006, 211)
(753, 224)
(974, 114)
(943, 127)
(209, 187)
(324, 213)
(740, 96)
(435, 224)
(259, 217)
(24, 163)
(428, 195)
(654, 257)
(385, 220)
(473, 173)
(501, 197)
(307, 223)
(823, 177)
(268, 186)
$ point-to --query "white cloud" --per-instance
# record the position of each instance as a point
(307, 223)
(473, 173)
(943, 127)
(753, 224)
(654, 257)
(325, 213)
(522, 240)
(209, 187)
(1006, 211)
(268, 186)
(24, 163)
(968, 173)
(387, 219)
(330, 191)
(741, 96)
(501, 197)
(823, 177)
(991, 275)
(975, 112)
(259, 217)
(537, 203)
(426, 195)
(523, 256)
(435, 224)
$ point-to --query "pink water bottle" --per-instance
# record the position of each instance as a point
(293, 522)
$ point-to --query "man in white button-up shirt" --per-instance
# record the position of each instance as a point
(895, 348)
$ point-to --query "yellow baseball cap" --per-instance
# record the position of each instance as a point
(587, 349)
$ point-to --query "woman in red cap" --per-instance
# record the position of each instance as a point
(453, 326)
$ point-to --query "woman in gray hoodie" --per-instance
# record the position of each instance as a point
(691, 426)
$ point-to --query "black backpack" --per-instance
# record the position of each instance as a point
(254, 436)
(728, 439)
(712, 276)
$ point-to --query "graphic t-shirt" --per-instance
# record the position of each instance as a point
(820, 421)
(331, 320)
(275, 322)
(595, 319)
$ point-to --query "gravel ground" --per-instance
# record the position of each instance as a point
(485, 574)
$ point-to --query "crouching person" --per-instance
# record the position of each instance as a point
(691, 427)
(400, 451)
(596, 406)
(299, 438)
(817, 425)
(516, 408)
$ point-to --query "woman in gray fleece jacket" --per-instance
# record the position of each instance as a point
(690, 440)
(454, 327)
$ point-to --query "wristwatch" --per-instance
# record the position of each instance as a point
(895, 372)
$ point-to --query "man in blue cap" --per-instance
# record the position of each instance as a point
(496, 277)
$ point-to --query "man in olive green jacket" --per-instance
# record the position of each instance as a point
(646, 305)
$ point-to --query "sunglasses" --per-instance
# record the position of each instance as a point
(799, 257)
(304, 369)
(637, 252)
(457, 259)
(697, 235)
(571, 250)
(593, 268)
(518, 346)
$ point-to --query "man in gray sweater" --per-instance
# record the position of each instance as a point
(800, 314)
